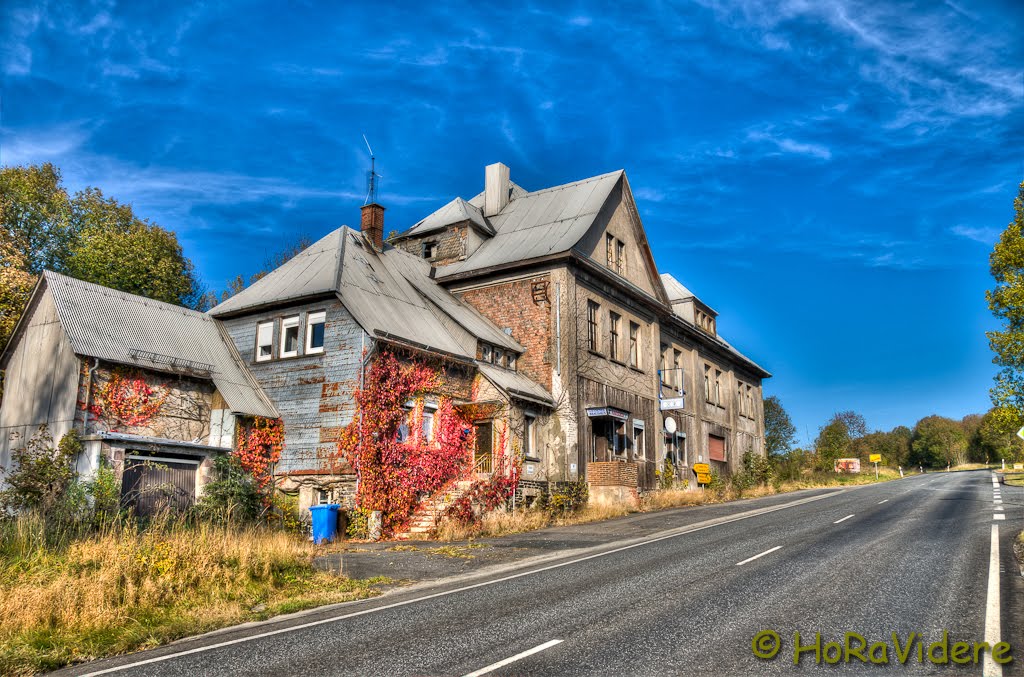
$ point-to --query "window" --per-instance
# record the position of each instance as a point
(323, 497)
(741, 402)
(634, 345)
(620, 257)
(499, 357)
(429, 250)
(676, 370)
(716, 448)
(428, 423)
(402, 434)
(750, 402)
(530, 436)
(638, 441)
(707, 384)
(609, 245)
(512, 361)
(264, 341)
(315, 323)
(718, 387)
(290, 337)
(483, 455)
(613, 339)
(485, 353)
(592, 335)
(662, 366)
(619, 437)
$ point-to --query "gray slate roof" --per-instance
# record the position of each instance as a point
(127, 329)
(389, 293)
(540, 223)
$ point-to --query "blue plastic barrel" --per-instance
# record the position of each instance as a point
(325, 522)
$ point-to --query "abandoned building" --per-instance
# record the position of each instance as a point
(548, 303)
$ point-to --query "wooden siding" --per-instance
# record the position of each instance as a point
(41, 380)
(312, 392)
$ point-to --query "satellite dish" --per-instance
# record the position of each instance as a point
(670, 425)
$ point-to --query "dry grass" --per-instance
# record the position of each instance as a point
(504, 523)
(128, 589)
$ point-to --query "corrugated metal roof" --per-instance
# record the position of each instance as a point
(127, 329)
(516, 384)
(537, 224)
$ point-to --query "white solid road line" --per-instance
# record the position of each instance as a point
(885, 501)
(992, 629)
(675, 533)
(843, 520)
(512, 659)
(766, 552)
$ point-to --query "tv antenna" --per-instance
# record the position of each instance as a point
(372, 176)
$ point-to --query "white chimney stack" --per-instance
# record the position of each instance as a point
(496, 188)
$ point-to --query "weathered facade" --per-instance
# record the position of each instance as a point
(545, 310)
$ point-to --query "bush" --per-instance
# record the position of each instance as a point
(568, 497)
(232, 496)
(358, 523)
(42, 476)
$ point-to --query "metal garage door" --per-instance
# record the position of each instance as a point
(153, 483)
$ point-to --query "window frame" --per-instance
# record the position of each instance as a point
(634, 345)
(593, 330)
(287, 323)
(613, 334)
(312, 319)
(270, 355)
(620, 257)
(530, 436)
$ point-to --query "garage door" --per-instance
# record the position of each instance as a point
(152, 483)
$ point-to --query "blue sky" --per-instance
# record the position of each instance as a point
(829, 175)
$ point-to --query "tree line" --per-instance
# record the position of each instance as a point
(933, 442)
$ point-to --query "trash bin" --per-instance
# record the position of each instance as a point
(325, 522)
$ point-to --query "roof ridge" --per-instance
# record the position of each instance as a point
(126, 295)
(571, 184)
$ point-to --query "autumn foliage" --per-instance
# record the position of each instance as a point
(395, 469)
(128, 399)
(259, 448)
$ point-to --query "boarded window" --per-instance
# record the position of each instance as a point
(716, 448)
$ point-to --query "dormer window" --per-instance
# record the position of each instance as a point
(485, 353)
(512, 361)
(705, 321)
(499, 357)
(429, 250)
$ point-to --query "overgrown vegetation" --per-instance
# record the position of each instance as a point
(66, 598)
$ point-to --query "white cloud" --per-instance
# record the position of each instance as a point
(986, 236)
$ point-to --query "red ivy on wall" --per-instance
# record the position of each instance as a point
(259, 448)
(395, 474)
(496, 490)
(127, 398)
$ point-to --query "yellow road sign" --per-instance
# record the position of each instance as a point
(703, 478)
(875, 458)
(702, 468)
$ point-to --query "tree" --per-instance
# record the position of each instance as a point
(835, 439)
(1006, 301)
(995, 441)
(116, 249)
(938, 441)
(88, 236)
(894, 446)
(779, 431)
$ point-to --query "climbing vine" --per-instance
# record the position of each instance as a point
(259, 448)
(128, 399)
(396, 461)
(487, 494)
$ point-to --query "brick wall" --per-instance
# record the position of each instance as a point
(524, 306)
(451, 245)
(612, 474)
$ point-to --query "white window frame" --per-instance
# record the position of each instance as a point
(530, 436)
(312, 319)
(286, 324)
(428, 422)
(260, 327)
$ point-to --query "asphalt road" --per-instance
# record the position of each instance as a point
(914, 555)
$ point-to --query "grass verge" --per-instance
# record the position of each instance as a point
(128, 589)
(504, 523)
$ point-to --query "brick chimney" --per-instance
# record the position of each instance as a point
(496, 188)
(372, 225)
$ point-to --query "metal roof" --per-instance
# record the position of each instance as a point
(127, 329)
(515, 384)
(456, 211)
(540, 223)
(389, 293)
(675, 289)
